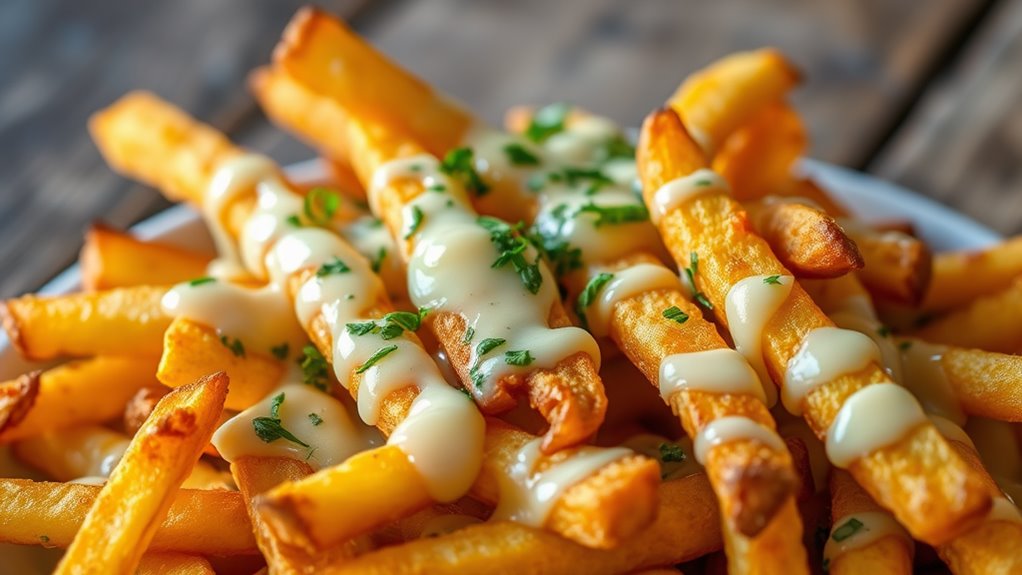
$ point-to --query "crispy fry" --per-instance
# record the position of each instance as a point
(804, 238)
(192, 350)
(929, 488)
(720, 98)
(992, 322)
(17, 397)
(124, 517)
(891, 554)
(35, 512)
(140, 405)
(79, 392)
(757, 159)
(113, 259)
(686, 527)
(127, 321)
(173, 564)
(985, 383)
(898, 266)
(320, 52)
(960, 277)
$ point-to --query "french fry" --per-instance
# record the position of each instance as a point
(726, 95)
(686, 527)
(991, 322)
(126, 321)
(897, 265)
(757, 159)
(985, 383)
(125, 515)
(920, 478)
(140, 405)
(191, 350)
(804, 238)
(73, 453)
(173, 564)
(37, 512)
(960, 277)
(113, 259)
(75, 393)
(891, 554)
(321, 53)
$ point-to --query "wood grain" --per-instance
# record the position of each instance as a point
(963, 144)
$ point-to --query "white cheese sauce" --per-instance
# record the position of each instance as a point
(861, 529)
(825, 354)
(732, 428)
(681, 190)
(874, 417)
(714, 371)
(628, 282)
(749, 305)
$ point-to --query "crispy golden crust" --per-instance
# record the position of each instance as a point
(805, 239)
(960, 277)
(898, 266)
(16, 399)
(929, 488)
(985, 383)
(891, 554)
(111, 259)
(138, 408)
(992, 322)
(757, 159)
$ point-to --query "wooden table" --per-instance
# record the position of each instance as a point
(923, 93)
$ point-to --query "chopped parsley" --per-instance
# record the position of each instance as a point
(574, 176)
(691, 272)
(671, 453)
(416, 222)
(905, 345)
(293, 220)
(415, 167)
(616, 214)
(438, 188)
(703, 183)
(377, 262)
(315, 419)
(520, 156)
(589, 294)
(331, 268)
(459, 163)
(281, 351)
(849, 528)
(201, 281)
(44, 539)
(563, 257)
(511, 246)
(376, 357)
(469, 334)
(772, 280)
(269, 428)
(702, 300)
(315, 369)
(883, 331)
(520, 357)
(489, 344)
(320, 205)
(391, 325)
(614, 148)
(236, 347)
(547, 121)
(674, 313)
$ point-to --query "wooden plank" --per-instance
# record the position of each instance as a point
(963, 143)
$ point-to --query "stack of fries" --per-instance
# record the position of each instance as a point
(339, 389)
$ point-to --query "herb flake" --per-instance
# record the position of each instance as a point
(281, 351)
(846, 530)
(416, 222)
(675, 314)
(320, 205)
(511, 247)
(376, 357)
(518, 155)
(315, 419)
(235, 345)
(671, 453)
(459, 164)
(331, 268)
(547, 121)
(201, 281)
(520, 357)
(588, 295)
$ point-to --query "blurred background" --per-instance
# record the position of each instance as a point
(925, 93)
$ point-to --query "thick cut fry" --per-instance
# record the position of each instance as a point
(960, 277)
(992, 322)
(76, 393)
(726, 95)
(113, 259)
(686, 527)
(126, 513)
(140, 405)
(323, 54)
(804, 238)
(985, 383)
(927, 485)
(757, 159)
(17, 397)
(898, 266)
(173, 564)
(192, 350)
(37, 512)
(143, 137)
(890, 555)
(127, 321)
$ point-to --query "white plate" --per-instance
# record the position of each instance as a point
(868, 197)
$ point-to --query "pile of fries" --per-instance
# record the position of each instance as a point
(536, 349)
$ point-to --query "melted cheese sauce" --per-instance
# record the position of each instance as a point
(681, 190)
(951, 431)
(749, 305)
(925, 377)
(530, 490)
(714, 370)
(872, 418)
(875, 526)
(629, 282)
(732, 428)
(826, 353)
(1004, 510)
(864, 322)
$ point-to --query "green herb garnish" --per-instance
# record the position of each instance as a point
(489, 344)
(883, 331)
(236, 347)
(315, 419)
(280, 351)
(520, 156)
(511, 246)
(470, 333)
(674, 313)
(588, 295)
(320, 205)
(391, 325)
(671, 453)
(547, 121)
(377, 262)
(691, 272)
(849, 528)
(772, 280)
(331, 268)
(416, 222)
(293, 220)
(315, 369)
(459, 164)
(269, 428)
(375, 358)
(616, 214)
(520, 357)
(201, 281)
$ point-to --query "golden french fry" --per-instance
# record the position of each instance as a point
(129, 508)
(17, 397)
(804, 238)
(44, 513)
(920, 478)
(889, 554)
(126, 321)
(960, 277)
(75, 393)
(173, 564)
(897, 265)
(113, 259)
(985, 383)
(991, 322)
(757, 159)
(192, 350)
(139, 406)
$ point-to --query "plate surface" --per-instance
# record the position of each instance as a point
(868, 197)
